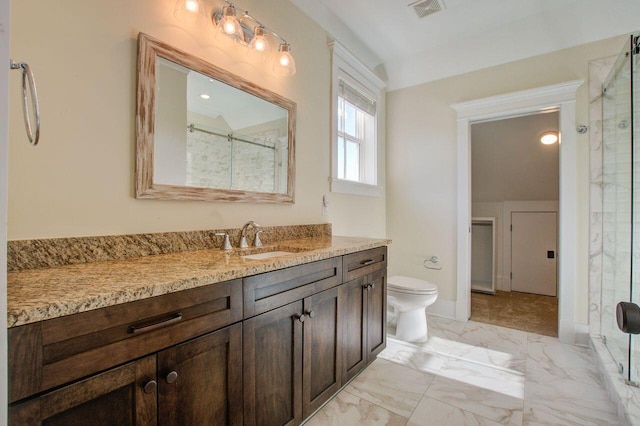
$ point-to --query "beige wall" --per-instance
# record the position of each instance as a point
(421, 160)
(80, 179)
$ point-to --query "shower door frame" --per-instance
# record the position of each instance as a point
(561, 97)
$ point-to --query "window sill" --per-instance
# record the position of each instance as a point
(355, 188)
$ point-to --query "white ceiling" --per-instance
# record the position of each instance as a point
(468, 35)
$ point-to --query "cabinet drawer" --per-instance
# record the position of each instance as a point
(362, 263)
(268, 291)
(50, 353)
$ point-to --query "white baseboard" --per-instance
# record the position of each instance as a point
(582, 335)
(443, 308)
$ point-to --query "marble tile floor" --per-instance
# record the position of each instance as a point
(522, 311)
(475, 374)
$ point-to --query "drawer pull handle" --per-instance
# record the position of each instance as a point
(171, 377)
(150, 386)
(367, 262)
(135, 329)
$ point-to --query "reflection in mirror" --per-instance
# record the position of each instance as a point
(214, 137)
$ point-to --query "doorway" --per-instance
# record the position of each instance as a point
(515, 183)
(562, 97)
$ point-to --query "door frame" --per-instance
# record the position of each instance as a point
(4, 184)
(561, 97)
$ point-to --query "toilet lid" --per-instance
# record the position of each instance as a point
(411, 285)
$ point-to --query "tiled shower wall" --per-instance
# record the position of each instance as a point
(237, 164)
(598, 71)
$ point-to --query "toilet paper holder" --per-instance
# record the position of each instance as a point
(433, 260)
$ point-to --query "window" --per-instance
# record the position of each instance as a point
(356, 97)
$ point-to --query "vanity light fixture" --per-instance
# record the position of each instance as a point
(228, 23)
(549, 138)
(284, 64)
(185, 9)
(259, 47)
(247, 31)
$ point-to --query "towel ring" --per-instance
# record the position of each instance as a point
(27, 77)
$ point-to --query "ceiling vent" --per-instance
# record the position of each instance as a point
(427, 7)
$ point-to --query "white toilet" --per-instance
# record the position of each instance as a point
(407, 299)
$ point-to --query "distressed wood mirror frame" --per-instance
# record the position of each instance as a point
(149, 49)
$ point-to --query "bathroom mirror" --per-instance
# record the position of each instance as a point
(206, 134)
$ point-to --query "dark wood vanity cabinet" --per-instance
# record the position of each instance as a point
(185, 373)
(200, 381)
(292, 361)
(115, 397)
(364, 299)
(322, 357)
(267, 349)
(273, 367)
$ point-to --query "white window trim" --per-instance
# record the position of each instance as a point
(343, 60)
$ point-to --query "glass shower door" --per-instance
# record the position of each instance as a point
(634, 129)
(617, 193)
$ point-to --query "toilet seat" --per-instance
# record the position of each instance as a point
(408, 285)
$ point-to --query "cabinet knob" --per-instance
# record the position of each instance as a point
(300, 317)
(150, 386)
(373, 285)
(311, 314)
(171, 377)
(367, 287)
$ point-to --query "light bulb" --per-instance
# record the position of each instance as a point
(189, 12)
(259, 47)
(191, 5)
(228, 23)
(284, 64)
(229, 27)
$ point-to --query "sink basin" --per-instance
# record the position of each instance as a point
(266, 255)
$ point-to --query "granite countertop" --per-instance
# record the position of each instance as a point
(40, 294)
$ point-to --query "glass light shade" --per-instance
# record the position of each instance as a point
(549, 138)
(228, 23)
(189, 10)
(259, 47)
(283, 64)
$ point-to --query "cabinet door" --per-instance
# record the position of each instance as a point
(376, 313)
(353, 297)
(200, 381)
(322, 360)
(273, 367)
(115, 397)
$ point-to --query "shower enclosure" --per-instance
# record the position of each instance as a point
(621, 205)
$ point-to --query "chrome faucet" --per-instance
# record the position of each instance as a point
(243, 236)
(226, 244)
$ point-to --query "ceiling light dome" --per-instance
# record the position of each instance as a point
(549, 138)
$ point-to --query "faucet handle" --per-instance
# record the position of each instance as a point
(257, 242)
(226, 244)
